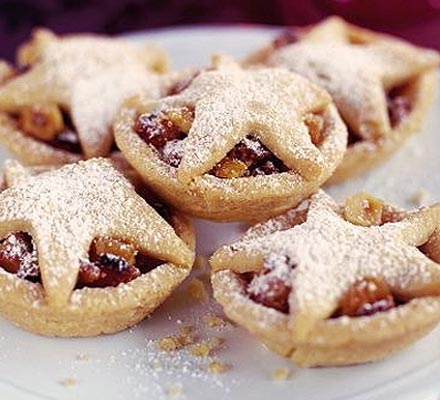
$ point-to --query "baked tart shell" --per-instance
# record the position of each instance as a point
(336, 340)
(213, 198)
(365, 340)
(92, 311)
(28, 150)
(363, 156)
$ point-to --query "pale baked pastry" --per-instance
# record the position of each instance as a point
(234, 144)
(58, 105)
(382, 86)
(82, 253)
(325, 284)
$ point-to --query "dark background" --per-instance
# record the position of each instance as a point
(416, 20)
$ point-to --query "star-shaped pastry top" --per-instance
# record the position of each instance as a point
(328, 254)
(231, 102)
(87, 75)
(356, 74)
(65, 209)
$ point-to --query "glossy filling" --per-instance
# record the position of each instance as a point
(110, 262)
(51, 125)
(167, 131)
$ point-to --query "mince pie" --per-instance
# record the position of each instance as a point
(58, 105)
(234, 144)
(325, 284)
(382, 86)
(82, 252)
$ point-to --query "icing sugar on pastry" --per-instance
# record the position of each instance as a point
(327, 254)
(356, 75)
(231, 102)
(88, 75)
(65, 209)
(234, 143)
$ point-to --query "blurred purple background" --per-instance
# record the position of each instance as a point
(416, 20)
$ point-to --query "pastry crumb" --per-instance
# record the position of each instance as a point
(68, 382)
(201, 349)
(169, 343)
(214, 321)
(197, 290)
(420, 197)
(175, 390)
(280, 374)
(217, 367)
(172, 343)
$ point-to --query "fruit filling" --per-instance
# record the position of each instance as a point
(363, 209)
(366, 210)
(18, 256)
(367, 296)
(270, 287)
(181, 85)
(399, 105)
(111, 261)
(431, 248)
(49, 124)
(167, 131)
(316, 125)
(248, 158)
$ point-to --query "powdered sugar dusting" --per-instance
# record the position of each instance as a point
(355, 75)
(65, 209)
(90, 76)
(230, 102)
(330, 254)
(93, 119)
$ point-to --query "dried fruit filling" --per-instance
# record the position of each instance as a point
(399, 105)
(367, 296)
(51, 125)
(111, 261)
(167, 131)
(271, 288)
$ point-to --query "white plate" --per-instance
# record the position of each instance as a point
(128, 366)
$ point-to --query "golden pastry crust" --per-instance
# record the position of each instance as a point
(89, 77)
(310, 333)
(377, 63)
(55, 307)
(229, 103)
(362, 156)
